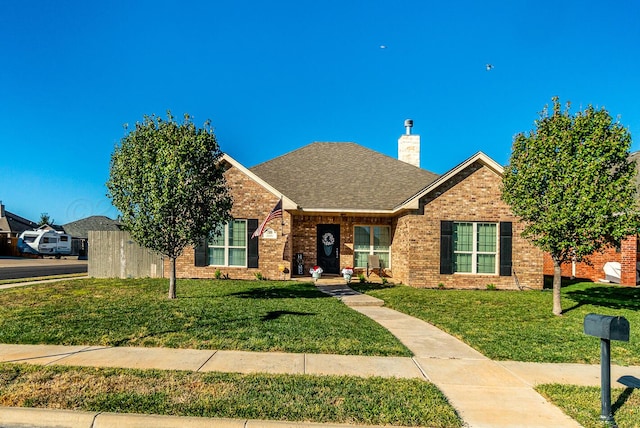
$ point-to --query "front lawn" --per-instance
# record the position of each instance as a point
(519, 325)
(208, 314)
(336, 399)
(582, 403)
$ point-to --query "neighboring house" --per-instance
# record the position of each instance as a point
(627, 254)
(54, 227)
(80, 228)
(12, 225)
(343, 203)
(79, 231)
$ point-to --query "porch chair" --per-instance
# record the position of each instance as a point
(373, 262)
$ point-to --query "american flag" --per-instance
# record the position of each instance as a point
(275, 213)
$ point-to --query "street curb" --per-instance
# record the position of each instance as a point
(21, 417)
(14, 417)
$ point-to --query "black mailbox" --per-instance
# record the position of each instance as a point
(607, 327)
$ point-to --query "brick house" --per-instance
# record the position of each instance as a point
(343, 203)
(12, 225)
(627, 254)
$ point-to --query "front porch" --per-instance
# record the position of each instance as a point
(334, 242)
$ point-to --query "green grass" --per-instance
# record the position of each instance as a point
(335, 399)
(41, 278)
(208, 314)
(583, 404)
(519, 325)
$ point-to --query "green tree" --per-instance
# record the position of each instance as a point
(167, 181)
(45, 219)
(571, 181)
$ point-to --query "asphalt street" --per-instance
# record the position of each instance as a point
(13, 268)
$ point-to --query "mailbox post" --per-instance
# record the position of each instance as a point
(607, 328)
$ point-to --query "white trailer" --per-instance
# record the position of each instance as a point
(45, 243)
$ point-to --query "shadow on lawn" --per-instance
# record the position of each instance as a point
(363, 287)
(280, 293)
(607, 296)
(273, 315)
(622, 399)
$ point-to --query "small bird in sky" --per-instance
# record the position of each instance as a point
(383, 46)
(489, 67)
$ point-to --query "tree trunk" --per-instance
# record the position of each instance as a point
(172, 278)
(557, 283)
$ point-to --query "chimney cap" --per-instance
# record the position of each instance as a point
(408, 124)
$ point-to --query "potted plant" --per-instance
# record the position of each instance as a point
(347, 273)
(315, 272)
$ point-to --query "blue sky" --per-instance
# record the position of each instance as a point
(275, 76)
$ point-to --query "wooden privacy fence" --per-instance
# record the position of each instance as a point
(113, 254)
(8, 245)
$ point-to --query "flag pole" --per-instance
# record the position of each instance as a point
(282, 218)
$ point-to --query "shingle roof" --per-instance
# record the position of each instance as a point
(15, 224)
(80, 228)
(344, 177)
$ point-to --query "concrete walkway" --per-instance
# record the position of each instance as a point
(485, 393)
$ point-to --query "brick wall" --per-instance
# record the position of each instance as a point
(629, 251)
(250, 200)
(304, 235)
(592, 270)
(474, 195)
(415, 247)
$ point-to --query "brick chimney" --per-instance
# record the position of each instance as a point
(1, 209)
(409, 145)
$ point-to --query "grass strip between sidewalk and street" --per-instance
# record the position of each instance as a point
(519, 325)
(582, 403)
(335, 399)
(42, 278)
(208, 314)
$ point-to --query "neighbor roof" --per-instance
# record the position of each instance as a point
(80, 228)
(343, 177)
(15, 224)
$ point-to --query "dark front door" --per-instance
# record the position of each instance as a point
(329, 248)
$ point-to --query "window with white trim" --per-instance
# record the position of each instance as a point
(229, 247)
(375, 240)
(475, 247)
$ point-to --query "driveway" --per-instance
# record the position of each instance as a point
(13, 268)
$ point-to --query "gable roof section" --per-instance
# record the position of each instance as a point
(414, 201)
(80, 228)
(287, 203)
(13, 223)
(345, 177)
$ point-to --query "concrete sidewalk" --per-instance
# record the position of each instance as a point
(485, 393)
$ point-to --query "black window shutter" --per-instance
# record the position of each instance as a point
(505, 248)
(252, 243)
(201, 253)
(446, 247)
